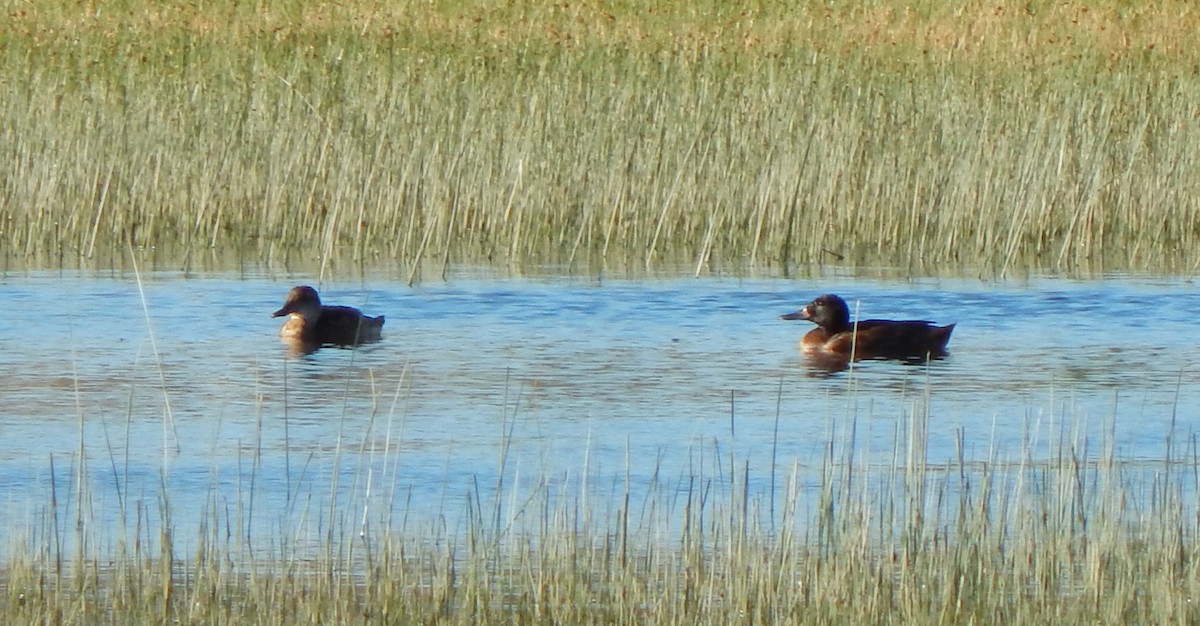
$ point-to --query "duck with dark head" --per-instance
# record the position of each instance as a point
(312, 324)
(837, 337)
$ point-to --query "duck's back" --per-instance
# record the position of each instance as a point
(346, 326)
(882, 338)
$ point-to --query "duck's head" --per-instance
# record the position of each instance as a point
(302, 301)
(827, 311)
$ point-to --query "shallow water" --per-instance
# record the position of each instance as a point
(186, 389)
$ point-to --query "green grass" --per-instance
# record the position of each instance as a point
(1062, 531)
(716, 137)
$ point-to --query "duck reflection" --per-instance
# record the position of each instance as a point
(825, 365)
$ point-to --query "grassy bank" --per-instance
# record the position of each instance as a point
(1033, 136)
(1075, 537)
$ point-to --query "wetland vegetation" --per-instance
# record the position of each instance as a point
(985, 137)
(1061, 531)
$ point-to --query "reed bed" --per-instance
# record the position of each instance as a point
(712, 136)
(1063, 532)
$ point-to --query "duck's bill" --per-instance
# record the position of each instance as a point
(802, 314)
(281, 312)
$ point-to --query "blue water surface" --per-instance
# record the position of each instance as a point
(123, 394)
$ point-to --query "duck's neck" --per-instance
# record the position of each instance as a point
(839, 324)
(309, 313)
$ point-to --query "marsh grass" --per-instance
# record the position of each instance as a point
(716, 136)
(1062, 531)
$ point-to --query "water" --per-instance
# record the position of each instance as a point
(187, 390)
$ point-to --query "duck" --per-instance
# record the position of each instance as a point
(836, 336)
(313, 324)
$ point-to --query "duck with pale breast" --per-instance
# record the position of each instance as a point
(313, 323)
(836, 335)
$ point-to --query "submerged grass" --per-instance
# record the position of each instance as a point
(981, 137)
(1077, 536)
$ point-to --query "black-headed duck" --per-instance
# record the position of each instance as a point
(313, 324)
(836, 336)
